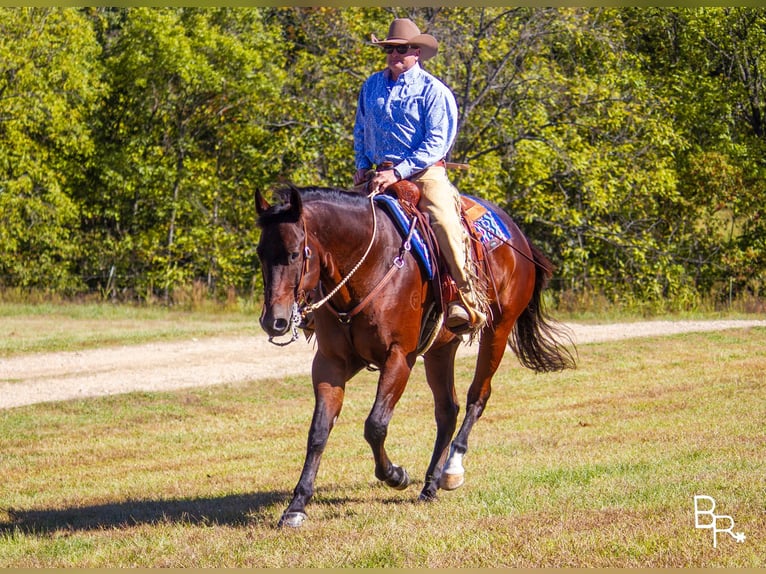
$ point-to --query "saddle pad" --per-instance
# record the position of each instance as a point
(395, 211)
(492, 231)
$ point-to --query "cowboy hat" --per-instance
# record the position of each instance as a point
(404, 31)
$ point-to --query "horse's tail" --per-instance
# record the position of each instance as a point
(536, 337)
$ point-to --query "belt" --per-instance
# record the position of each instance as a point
(389, 165)
(386, 165)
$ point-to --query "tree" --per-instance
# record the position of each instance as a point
(329, 55)
(709, 64)
(49, 83)
(628, 142)
(183, 142)
(563, 129)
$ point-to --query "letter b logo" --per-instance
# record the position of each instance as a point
(706, 522)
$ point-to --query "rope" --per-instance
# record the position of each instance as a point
(326, 298)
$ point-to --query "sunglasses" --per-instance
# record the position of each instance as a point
(399, 49)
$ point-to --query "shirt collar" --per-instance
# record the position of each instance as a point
(410, 76)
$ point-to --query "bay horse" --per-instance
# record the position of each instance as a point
(375, 297)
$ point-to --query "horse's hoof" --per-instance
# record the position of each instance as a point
(451, 481)
(292, 519)
(427, 497)
(402, 483)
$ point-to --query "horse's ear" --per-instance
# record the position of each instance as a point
(261, 205)
(296, 203)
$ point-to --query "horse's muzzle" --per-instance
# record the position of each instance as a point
(276, 320)
(275, 326)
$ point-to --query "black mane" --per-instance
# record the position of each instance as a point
(281, 213)
(332, 194)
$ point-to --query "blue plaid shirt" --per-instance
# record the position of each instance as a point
(412, 122)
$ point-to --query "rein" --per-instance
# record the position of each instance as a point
(300, 312)
(331, 294)
(398, 263)
(519, 251)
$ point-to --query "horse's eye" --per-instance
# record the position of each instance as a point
(294, 255)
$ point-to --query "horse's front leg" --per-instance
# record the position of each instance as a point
(391, 383)
(329, 388)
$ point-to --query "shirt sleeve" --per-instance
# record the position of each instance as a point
(360, 157)
(439, 130)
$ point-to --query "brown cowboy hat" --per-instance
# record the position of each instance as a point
(404, 31)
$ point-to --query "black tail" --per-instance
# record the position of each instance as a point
(536, 337)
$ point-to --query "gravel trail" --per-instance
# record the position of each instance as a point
(60, 376)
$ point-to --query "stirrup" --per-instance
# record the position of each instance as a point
(457, 316)
(471, 319)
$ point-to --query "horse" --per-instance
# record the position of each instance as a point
(375, 297)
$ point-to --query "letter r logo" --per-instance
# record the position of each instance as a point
(704, 507)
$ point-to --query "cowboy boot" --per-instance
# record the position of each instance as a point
(463, 315)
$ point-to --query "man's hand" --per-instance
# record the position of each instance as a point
(382, 179)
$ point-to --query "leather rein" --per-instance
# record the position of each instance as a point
(302, 309)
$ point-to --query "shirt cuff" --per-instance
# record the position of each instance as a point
(404, 170)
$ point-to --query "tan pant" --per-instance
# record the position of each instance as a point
(441, 201)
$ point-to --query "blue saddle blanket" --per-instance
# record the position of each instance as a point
(489, 227)
(397, 214)
(492, 230)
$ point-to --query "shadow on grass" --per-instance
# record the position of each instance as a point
(232, 510)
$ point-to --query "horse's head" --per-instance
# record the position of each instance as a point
(282, 252)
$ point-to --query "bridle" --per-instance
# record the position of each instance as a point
(302, 309)
(299, 312)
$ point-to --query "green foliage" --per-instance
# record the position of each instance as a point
(583, 148)
(628, 142)
(48, 86)
(185, 127)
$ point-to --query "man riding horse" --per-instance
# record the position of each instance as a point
(375, 305)
(406, 123)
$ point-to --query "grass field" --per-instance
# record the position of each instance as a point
(592, 467)
(73, 327)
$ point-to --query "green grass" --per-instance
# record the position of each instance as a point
(592, 467)
(27, 328)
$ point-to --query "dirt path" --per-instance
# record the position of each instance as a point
(62, 376)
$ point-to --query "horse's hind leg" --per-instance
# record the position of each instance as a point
(440, 373)
(391, 383)
(491, 351)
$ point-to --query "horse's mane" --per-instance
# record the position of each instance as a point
(281, 213)
(332, 194)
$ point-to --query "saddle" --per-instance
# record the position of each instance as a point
(483, 225)
(408, 196)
